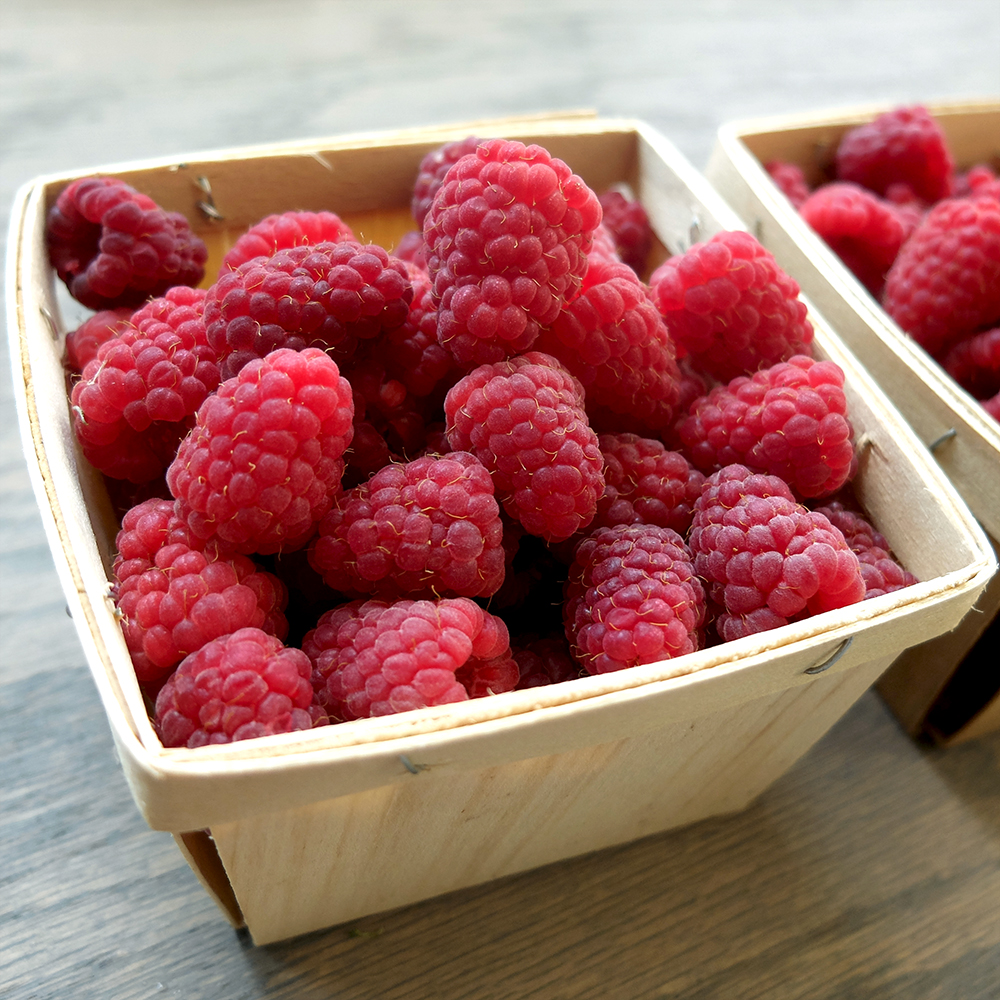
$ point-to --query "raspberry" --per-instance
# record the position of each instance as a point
(992, 406)
(83, 342)
(483, 677)
(330, 295)
(507, 239)
(430, 526)
(730, 307)
(945, 282)
(767, 559)
(135, 400)
(790, 178)
(613, 340)
(628, 224)
(113, 246)
(979, 181)
(862, 229)
(524, 420)
(975, 363)
(788, 421)
(281, 232)
(431, 173)
(882, 573)
(237, 687)
(544, 661)
(261, 464)
(175, 595)
(645, 484)
(632, 598)
(903, 145)
(374, 658)
(410, 249)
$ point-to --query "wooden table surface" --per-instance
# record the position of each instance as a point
(871, 870)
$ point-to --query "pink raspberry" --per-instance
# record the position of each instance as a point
(766, 559)
(236, 687)
(627, 222)
(283, 231)
(113, 246)
(980, 181)
(903, 145)
(524, 420)
(881, 571)
(432, 171)
(265, 457)
(374, 658)
(411, 250)
(945, 283)
(484, 677)
(329, 295)
(83, 342)
(789, 420)
(974, 363)
(507, 239)
(175, 595)
(790, 178)
(157, 371)
(862, 229)
(730, 307)
(632, 598)
(430, 526)
(544, 661)
(613, 340)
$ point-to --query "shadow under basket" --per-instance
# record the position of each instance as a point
(948, 689)
(306, 830)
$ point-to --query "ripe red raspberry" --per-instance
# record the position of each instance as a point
(632, 598)
(627, 222)
(374, 658)
(974, 363)
(645, 484)
(882, 573)
(483, 677)
(544, 661)
(430, 526)
(790, 178)
(83, 342)
(330, 296)
(979, 181)
(175, 595)
(862, 229)
(945, 282)
(524, 420)
(264, 459)
(613, 340)
(410, 249)
(730, 307)
(283, 231)
(135, 399)
(236, 687)
(431, 173)
(767, 559)
(903, 145)
(992, 406)
(114, 246)
(789, 420)
(507, 239)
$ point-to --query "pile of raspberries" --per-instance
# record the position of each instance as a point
(922, 236)
(509, 453)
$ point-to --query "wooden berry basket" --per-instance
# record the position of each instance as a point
(301, 831)
(964, 439)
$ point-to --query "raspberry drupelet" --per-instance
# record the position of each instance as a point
(789, 420)
(175, 594)
(236, 687)
(524, 420)
(374, 658)
(632, 598)
(283, 231)
(730, 307)
(507, 239)
(265, 457)
(766, 559)
(430, 526)
(114, 246)
(329, 295)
